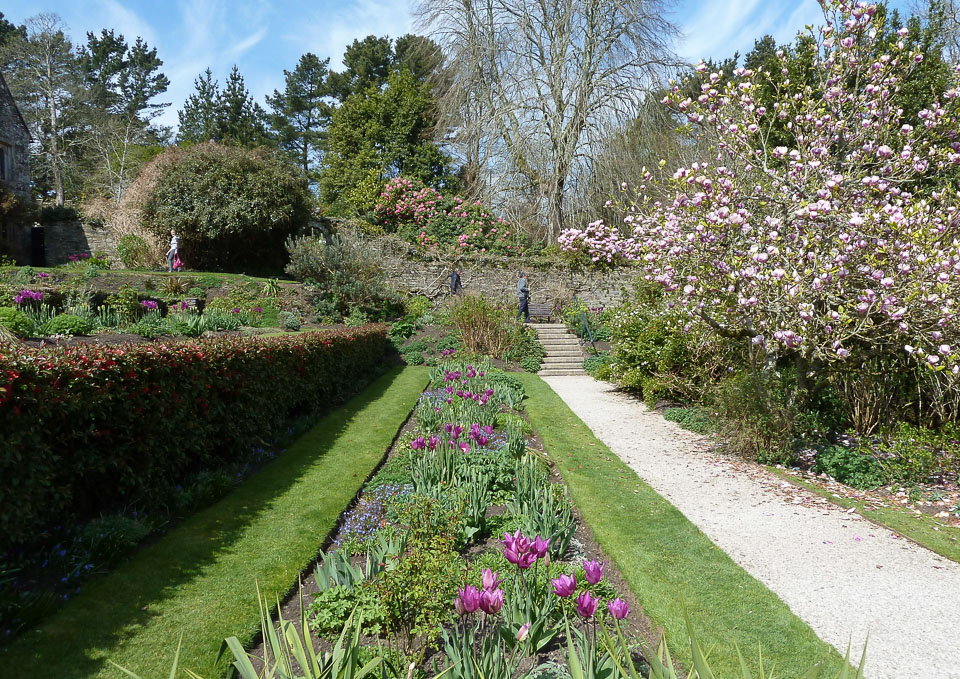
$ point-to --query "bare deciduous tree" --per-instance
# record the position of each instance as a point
(536, 86)
(944, 16)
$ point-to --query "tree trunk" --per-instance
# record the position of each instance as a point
(55, 161)
(555, 215)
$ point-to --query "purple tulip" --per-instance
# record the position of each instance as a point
(593, 571)
(465, 447)
(490, 579)
(523, 631)
(541, 547)
(491, 602)
(521, 542)
(565, 585)
(468, 600)
(618, 608)
(418, 443)
(586, 605)
(433, 442)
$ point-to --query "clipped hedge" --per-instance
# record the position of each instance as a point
(89, 427)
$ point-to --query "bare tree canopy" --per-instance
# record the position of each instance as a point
(536, 86)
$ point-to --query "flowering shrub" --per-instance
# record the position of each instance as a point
(420, 215)
(841, 244)
(119, 421)
(600, 242)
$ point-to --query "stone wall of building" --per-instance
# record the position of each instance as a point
(14, 143)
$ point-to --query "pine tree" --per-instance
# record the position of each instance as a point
(242, 121)
(300, 113)
(199, 117)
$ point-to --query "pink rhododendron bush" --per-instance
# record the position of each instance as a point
(421, 215)
(842, 244)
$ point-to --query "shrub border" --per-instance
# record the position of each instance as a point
(201, 578)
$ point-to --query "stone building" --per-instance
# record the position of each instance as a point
(16, 238)
(14, 142)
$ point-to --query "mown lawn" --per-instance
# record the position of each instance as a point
(200, 579)
(666, 560)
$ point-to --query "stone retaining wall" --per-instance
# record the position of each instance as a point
(60, 240)
(497, 277)
(63, 239)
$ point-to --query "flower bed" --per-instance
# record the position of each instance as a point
(462, 553)
(90, 427)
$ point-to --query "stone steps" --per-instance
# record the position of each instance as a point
(563, 353)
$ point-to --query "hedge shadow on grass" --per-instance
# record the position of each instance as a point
(200, 579)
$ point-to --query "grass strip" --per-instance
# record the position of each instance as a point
(665, 558)
(200, 579)
(922, 529)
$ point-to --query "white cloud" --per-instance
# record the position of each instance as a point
(717, 31)
(125, 21)
(245, 44)
(215, 34)
(327, 32)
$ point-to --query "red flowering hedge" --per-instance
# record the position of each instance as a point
(85, 428)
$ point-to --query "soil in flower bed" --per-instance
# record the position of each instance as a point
(583, 546)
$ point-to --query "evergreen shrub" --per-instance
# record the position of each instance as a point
(90, 428)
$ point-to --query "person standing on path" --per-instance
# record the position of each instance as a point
(174, 250)
(523, 294)
(456, 284)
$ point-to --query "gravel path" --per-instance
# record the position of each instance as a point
(841, 574)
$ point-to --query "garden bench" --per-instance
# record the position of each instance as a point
(541, 310)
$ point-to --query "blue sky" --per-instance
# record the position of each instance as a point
(263, 37)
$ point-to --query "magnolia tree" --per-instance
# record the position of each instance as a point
(845, 242)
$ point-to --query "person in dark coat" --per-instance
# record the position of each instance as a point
(523, 294)
(456, 284)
